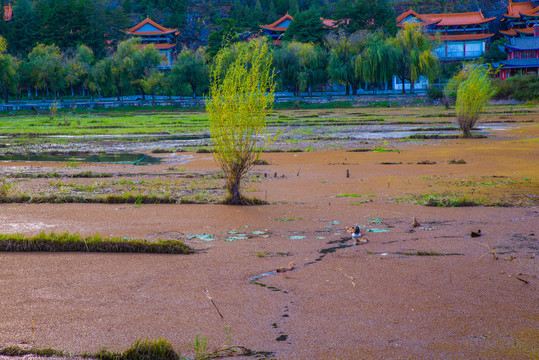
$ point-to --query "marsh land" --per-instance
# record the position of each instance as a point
(427, 292)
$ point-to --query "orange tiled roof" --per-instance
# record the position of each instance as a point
(526, 31)
(514, 10)
(464, 37)
(162, 29)
(452, 19)
(510, 32)
(275, 26)
(8, 12)
(163, 46)
(532, 12)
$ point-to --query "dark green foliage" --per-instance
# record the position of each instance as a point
(495, 53)
(64, 242)
(306, 28)
(158, 349)
(368, 15)
(435, 93)
(522, 88)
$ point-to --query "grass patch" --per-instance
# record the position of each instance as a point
(288, 219)
(162, 151)
(17, 351)
(66, 242)
(457, 162)
(354, 195)
(158, 349)
(451, 200)
(262, 254)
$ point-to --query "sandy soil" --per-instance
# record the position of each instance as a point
(376, 300)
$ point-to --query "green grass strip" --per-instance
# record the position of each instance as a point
(67, 242)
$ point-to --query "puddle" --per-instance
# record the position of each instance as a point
(396, 131)
(254, 280)
(129, 158)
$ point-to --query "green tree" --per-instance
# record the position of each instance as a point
(375, 64)
(85, 58)
(367, 15)
(25, 27)
(191, 68)
(151, 83)
(496, 54)
(226, 35)
(239, 103)
(413, 54)
(473, 95)
(343, 51)
(101, 79)
(301, 66)
(145, 60)
(8, 70)
(48, 71)
(306, 28)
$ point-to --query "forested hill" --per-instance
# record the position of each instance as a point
(97, 23)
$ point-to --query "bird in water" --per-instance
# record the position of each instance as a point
(356, 235)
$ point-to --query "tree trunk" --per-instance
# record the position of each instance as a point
(347, 89)
(7, 96)
(153, 99)
(233, 187)
(403, 88)
(411, 86)
(72, 91)
(354, 88)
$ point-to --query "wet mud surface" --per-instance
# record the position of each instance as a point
(287, 277)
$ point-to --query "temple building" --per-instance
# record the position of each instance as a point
(464, 36)
(160, 37)
(520, 19)
(8, 12)
(522, 56)
(276, 30)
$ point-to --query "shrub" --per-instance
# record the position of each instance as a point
(521, 88)
(435, 93)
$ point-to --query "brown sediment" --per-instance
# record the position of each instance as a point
(387, 305)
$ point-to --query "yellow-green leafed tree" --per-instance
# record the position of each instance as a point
(473, 95)
(241, 96)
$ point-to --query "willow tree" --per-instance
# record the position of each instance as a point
(473, 94)
(413, 48)
(241, 96)
(375, 63)
(343, 50)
